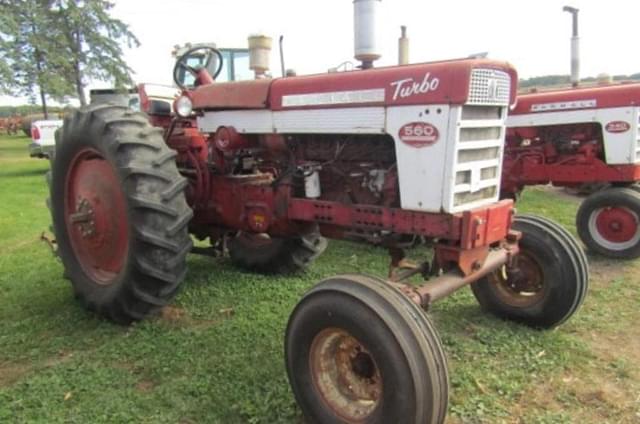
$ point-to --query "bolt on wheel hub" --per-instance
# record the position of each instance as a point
(84, 218)
(96, 216)
(520, 285)
(345, 374)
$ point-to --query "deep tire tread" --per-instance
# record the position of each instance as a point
(159, 241)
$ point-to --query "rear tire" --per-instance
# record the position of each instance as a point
(357, 349)
(550, 282)
(608, 223)
(272, 255)
(119, 212)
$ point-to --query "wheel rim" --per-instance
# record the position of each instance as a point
(345, 374)
(615, 228)
(96, 216)
(521, 285)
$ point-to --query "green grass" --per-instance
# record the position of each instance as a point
(217, 355)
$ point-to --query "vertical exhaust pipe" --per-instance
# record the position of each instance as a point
(403, 47)
(575, 46)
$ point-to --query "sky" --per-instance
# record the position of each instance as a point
(534, 35)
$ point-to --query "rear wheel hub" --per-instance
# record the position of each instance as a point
(96, 216)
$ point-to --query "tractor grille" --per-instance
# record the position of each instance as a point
(638, 141)
(477, 157)
(489, 87)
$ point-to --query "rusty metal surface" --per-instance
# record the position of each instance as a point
(345, 374)
(437, 288)
(232, 95)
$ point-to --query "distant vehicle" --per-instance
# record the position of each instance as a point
(43, 137)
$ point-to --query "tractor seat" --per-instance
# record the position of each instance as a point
(252, 94)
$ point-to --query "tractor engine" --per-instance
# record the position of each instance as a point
(559, 145)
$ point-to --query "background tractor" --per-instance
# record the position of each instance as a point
(582, 136)
(268, 169)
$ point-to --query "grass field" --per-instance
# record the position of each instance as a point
(216, 355)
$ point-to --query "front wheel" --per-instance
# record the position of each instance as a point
(608, 222)
(357, 350)
(548, 281)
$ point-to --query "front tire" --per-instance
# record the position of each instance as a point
(548, 283)
(358, 350)
(119, 212)
(608, 223)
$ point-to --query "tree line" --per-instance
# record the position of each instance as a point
(551, 80)
(51, 49)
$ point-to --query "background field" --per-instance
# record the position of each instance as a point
(216, 354)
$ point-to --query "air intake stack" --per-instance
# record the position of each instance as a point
(365, 22)
(259, 54)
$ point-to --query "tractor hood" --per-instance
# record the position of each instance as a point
(618, 95)
(476, 81)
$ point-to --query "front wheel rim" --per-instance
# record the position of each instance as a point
(521, 285)
(345, 374)
(96, 216)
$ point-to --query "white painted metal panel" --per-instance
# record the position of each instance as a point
(420, 170)
(244, 121)
(362, 120)
(356, 120)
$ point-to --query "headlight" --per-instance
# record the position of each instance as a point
(183, 106)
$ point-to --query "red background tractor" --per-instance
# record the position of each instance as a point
(576, 137)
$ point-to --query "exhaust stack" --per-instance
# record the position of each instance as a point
(365, 20)
(575, 46)
(403, 47)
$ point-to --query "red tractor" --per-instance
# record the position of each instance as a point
(582, 136)
(267, 169)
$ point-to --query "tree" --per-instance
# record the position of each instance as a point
(92, 43)
(29, 51)
(54, 47)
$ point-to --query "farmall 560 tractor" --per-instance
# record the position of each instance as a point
(400, 156)
(576, 136)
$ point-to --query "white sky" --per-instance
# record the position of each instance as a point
(532, 34)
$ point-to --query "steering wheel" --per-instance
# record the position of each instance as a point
(181, 64)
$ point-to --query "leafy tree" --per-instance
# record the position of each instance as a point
(54, 47)
(29, 50)
(92, 41)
